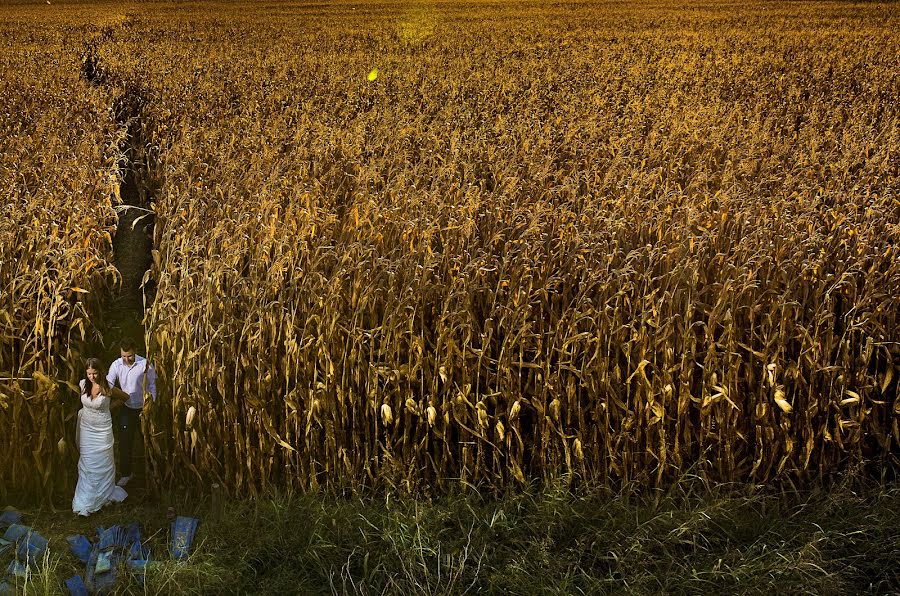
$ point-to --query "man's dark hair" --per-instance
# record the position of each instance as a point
(127, 344)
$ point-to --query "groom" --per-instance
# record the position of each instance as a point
(137, 378)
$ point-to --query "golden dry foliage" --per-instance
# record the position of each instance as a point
(617, 243)
(58, 148)
(489, 242)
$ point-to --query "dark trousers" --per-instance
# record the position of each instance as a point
(129, 426)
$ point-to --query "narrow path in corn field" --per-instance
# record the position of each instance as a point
(132, 244)
(125, 306)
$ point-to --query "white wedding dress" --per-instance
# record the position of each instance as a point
(96, 464)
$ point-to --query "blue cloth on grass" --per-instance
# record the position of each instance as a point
(17, 569)
(110, 537)
(15, 532)
(80, 547)
(132, 534)
(99, 582)
(106, 582)
(76, 586)
(104, 562)
(183, 531)
(32, 547)
(104, 557)
(133, 547)
(8, 518)
(12, 536)
(138, 551)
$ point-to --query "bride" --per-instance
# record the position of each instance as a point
(94, 438)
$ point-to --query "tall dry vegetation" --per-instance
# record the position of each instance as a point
(59, 179)
(617, 243)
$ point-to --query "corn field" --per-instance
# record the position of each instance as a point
(59, 178)
(435, 244)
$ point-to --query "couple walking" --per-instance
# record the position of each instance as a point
(136, 378)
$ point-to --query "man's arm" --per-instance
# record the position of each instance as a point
(113, 375)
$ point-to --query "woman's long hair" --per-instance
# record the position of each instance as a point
(88, 384)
